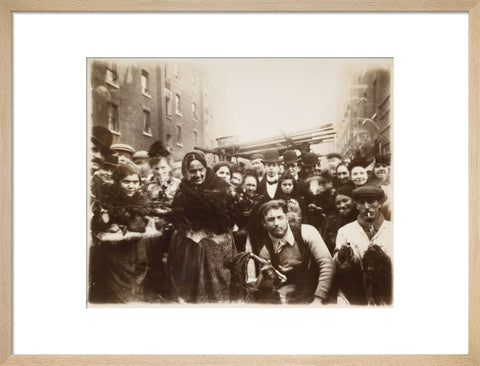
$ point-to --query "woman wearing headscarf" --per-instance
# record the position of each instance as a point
(118, 263)
(202, 246)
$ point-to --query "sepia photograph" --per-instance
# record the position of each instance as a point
(240, 182)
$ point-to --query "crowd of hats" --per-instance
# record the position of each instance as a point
(102, 138)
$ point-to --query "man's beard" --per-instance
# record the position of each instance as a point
(275, 233)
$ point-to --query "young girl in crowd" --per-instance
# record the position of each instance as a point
(287, 191)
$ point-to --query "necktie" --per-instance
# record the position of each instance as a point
(371, 231)
(280, 245)
(272, 182)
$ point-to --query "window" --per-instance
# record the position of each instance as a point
(147, 127)
(194, 110)
(195, 137)
(194, 83)
(169, 142)
(112, 117)
(179, 136)
(145, 83)
(168, 102)
(178, 104)
(175, 71)
(166, 71)
(111, 77)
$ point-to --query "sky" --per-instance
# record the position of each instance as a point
(265, 95)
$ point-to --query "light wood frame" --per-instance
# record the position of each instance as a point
(7, 7)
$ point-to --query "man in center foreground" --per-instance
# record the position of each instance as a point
(299, 253)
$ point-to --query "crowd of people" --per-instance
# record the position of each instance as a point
(278, 229)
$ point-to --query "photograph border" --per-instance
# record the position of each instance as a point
(8, 7)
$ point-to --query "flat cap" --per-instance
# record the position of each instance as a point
(141, 154)
(122, 147)
(368, 191)
(256, 156)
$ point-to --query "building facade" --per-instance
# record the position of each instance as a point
(142, 101)
(365, 127)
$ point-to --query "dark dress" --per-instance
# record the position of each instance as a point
(202, 247)
(244, 205)
(118, 260)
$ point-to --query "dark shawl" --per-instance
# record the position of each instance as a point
(208, 206)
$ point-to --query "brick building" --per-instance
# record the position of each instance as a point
(142, 101)
(365, 127)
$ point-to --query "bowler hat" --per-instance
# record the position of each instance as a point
(102, 137)
(111, 161)
(382, 160)
(290, 157)
(271, 156)
(310, 159)
(368, 191)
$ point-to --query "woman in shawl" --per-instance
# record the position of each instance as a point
(202, 246)
(118, 257)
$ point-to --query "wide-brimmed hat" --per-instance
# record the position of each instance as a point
(290, 157)
(368, 191)
(271, 156)
(310, 159)
(102, 137)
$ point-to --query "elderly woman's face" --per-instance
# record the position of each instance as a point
(129, 185)
(250, 185)
(196, 172)
(224, 173)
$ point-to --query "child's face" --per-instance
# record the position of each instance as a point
(287, 186)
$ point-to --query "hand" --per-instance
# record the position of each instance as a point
(317, 301)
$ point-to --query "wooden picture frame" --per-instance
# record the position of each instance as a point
(8, 7)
